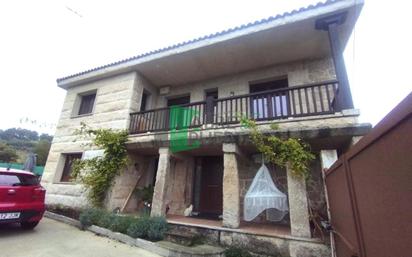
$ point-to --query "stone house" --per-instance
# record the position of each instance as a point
(287, 69)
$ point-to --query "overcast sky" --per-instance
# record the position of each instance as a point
(43, 40)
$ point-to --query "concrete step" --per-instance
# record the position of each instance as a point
(185, 238)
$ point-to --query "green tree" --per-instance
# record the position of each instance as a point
(7, 154)
(42, 149)
(19, 133)
(46, 137)
(282, 152)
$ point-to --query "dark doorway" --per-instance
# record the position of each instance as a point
(211, 93)
(272, 104)
(177, 121)
(211, 187)
(143, 104)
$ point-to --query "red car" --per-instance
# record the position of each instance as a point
(21, 198)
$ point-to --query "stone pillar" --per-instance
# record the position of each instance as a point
(162, 178)
(231, 187)
(298, 205)
(327, 158)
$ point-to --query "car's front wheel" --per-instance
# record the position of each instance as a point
(28, 225)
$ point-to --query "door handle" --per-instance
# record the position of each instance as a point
(11, 192)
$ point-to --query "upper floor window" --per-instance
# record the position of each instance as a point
(269, 105)
(86, 104)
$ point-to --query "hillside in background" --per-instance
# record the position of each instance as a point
(17, 143)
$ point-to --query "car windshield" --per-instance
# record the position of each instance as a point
(17, 180)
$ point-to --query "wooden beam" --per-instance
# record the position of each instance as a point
(331, 24)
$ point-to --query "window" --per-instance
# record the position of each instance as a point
(86, 104)
(68, 165)
(178, 119)
(211, 111)
(264, 106)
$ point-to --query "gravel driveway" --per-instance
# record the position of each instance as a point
(54, 239)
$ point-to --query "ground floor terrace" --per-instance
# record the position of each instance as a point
(210, 181)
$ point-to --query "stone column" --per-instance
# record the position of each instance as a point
(298, 205)
(231, 190)
(327, 158)
(162, 179)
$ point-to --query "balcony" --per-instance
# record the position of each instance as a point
(298, 101)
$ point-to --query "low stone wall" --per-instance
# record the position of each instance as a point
(283, 246)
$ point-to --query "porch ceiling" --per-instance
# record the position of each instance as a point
(319, 138)
(278, 45)
(280, 40)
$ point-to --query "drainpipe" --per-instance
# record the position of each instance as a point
(331, 25)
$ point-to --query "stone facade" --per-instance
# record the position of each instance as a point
(138, 174)
(120, 95)
(117, 97)
(297, 73)
(112, 106)
(179, 193)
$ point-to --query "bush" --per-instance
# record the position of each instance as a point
(106, 219)
(90, 217)
(122, 223)
(140, 228)
(157, 228)
(237, 252)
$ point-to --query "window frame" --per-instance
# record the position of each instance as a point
(88, 109)
(275, 103)
(65, 175)
(78, 103)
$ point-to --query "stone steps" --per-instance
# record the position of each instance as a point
(185, 238)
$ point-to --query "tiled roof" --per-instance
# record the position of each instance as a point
(217, 34)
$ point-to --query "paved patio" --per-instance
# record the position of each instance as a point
(52, 238)
(265, 229)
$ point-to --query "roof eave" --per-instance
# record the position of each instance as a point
(131, 64)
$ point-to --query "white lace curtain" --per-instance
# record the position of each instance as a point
(264, 195)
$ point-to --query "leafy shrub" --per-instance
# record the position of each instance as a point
(106, 220)
(140, 228)
(237, 252)
(122, 223)
(157, 228)
(90, 217)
